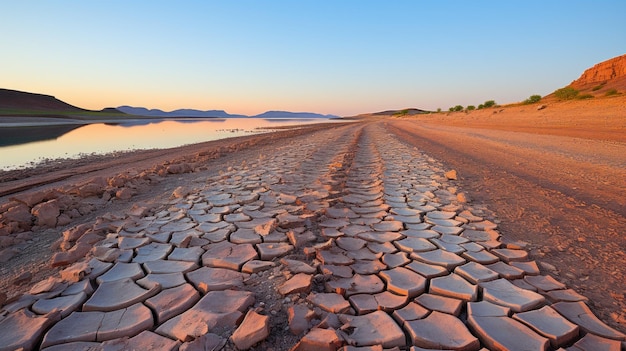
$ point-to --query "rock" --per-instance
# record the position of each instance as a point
(46, 213)
(179, 168)
(94, 187)
(541, 107)
(462, 197)
(254, 328)
(124, 193)
(451, 175)
(603, 71)
(181, 192)
(19, 213)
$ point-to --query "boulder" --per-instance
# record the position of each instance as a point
(19, 213)
(47, 213)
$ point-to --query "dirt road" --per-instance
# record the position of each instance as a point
(565, 196)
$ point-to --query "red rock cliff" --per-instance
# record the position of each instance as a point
(603, 72)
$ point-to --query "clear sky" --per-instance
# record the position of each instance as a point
(340, 57)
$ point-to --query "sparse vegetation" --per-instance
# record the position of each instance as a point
(567, 93)
(611, 92)
(481, 106)
(489, 103)
(584, 97)
(532, 99)
(401, 113)
(439, 110)
(451, 109)
(471, 108)
(458, 108)
(598, 87)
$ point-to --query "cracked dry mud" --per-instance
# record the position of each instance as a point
(364, 245)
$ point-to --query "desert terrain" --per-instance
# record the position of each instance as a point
(489, 222)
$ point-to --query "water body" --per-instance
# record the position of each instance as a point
(25, 146)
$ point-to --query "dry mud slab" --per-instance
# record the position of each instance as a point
(342, 238)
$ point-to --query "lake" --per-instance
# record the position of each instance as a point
(25, 146)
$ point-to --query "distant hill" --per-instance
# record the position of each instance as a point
(142, 111)
(286, 114)
(403, 112)
(20, 100)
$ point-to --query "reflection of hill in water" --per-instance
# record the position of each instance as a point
(23, 135)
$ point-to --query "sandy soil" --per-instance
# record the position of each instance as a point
(554, 178)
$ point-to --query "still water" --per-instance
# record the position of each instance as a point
(26, 146)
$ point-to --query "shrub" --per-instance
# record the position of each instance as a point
(489, 103)
(611, 92)
(451, 109)
(458, 108)
(439, 110)
(598, 87)
(471, 108)
(481, 106)
(584, 97)
(567, 93)
(532, 99)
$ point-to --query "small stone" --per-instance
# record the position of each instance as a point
(451, 175)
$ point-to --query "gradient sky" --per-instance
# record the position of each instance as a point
(338, 57)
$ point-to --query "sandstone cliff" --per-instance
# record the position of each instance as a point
(603, 72)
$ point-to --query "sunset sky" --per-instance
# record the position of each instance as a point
(331, 57)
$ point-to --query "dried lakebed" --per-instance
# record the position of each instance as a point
(347, 238)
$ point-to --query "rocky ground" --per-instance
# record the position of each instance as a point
(321, 238)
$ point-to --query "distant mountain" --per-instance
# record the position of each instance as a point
(20, 100)
(142, 111)
(286, 114)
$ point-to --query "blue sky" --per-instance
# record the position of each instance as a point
(339, 57)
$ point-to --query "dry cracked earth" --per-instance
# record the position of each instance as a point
(347, 239)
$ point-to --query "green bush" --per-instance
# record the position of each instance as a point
(489, 103)
(611, 92)
(439, 110)
(458, 108)
(471, 108)
(481, 106)
(451, 109)
(567, 93)
(532, 99)
(598, 87)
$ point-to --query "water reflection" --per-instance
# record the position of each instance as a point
(24, 135)
(23, 146)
